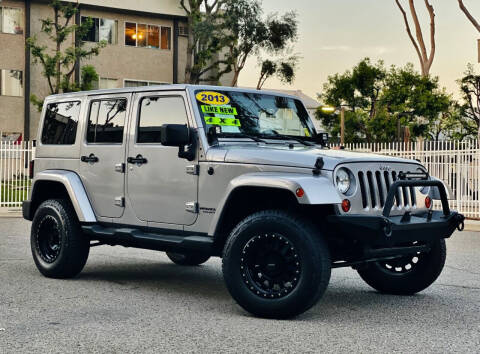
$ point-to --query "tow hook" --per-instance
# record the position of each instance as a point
(387, 228)
(460, 222)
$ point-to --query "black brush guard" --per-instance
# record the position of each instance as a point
(386, 230)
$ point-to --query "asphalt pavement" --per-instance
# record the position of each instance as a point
(128, 300)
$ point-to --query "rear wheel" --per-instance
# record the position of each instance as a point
(406, 275)
(188, 259)
(59, 248)
(276, 265)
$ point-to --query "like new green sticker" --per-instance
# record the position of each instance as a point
(225, 110)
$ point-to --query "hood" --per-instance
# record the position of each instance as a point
(299, 156)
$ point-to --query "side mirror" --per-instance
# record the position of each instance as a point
(174, 135)
(322, 139)
(179, 135)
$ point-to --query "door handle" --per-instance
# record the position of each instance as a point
(89, 159)
(138, 160)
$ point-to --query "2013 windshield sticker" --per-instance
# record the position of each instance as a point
(229, 122)
(225, 110)
(210, 97)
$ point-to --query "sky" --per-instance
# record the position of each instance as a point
(334, 35)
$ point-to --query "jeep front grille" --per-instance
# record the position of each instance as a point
(374, 188)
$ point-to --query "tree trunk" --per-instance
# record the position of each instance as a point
(236, 74)
(190, 49)
(425, 59)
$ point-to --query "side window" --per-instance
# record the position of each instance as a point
(106, 121)
(157, 111)
(60, 123)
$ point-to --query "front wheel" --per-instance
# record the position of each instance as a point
(406, 275)
(276, 265)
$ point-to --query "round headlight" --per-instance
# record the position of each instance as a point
(343, 180)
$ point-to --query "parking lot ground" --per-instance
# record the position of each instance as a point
(129, 300)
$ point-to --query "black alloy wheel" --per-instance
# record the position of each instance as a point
(48, 240)
(276, 264)
(409, 274)
(270, 265)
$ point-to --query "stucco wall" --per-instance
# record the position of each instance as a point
(118, 61)
(12, 57)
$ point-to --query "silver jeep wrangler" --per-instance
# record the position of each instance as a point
(201, 171)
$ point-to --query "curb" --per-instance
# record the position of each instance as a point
(472, 225)
(11, 213)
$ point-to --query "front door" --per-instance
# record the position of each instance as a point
(160, 188)
(103, 154)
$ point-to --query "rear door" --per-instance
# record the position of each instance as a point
(102, 165)
(160, 187)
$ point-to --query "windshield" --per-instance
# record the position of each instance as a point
(254, 114)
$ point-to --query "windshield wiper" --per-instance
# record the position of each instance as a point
(242, 135)
(289, 137)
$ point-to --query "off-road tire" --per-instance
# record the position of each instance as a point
(188, 259)
(309, 246)
(420, 277)
(68, 259)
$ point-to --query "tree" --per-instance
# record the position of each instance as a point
(59, 63)
(469, 15)
(380, 103)
(253, 33)
(358, 91)
(283, 69)
(207, 36)
(415, 100)
(425, 59)
(469, 117)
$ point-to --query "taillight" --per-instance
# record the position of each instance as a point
(30, 169)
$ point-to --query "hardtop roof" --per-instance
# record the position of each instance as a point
(153, 88)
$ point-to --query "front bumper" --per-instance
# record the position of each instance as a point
(386, 230)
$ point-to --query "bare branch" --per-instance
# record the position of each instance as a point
(431, 12)
(469, 15)
(418, 30)
(409, 32)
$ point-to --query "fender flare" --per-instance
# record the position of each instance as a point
(318, 190)
(75, 189)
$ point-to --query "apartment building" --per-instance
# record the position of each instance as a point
(146, 46)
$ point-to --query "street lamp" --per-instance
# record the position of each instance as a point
(331, 109)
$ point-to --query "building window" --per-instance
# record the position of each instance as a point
(11, 83)
(147, 36)
(11, 20)
(60, 124)
(183, 31)
(107, 121)
(140, 83)
(106, 83)
(102, 30)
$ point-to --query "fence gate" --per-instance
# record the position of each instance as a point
(14, 173)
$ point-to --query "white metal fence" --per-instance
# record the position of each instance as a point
(456, 163)
(14, 172)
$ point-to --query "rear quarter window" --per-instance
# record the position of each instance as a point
(60, 123)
